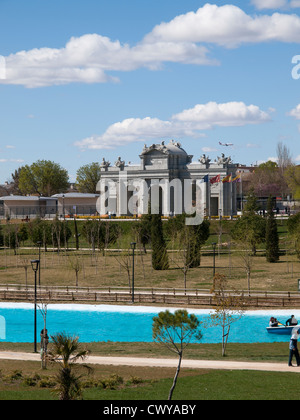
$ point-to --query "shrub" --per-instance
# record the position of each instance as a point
(112, 382)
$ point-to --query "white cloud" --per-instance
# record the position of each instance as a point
(87, 59)
(209, 149)
(231, 114)
(252, 146)
(188, 123)
(12, 160)
(269, 4)
(295, 112)
(228, 26)
(135, 129)
(92, 57)
(275, 4)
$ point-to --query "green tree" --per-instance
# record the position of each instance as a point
(23, 233)
(199, 235)
(250, 228)
(60, 233)
(292, 176)
(40, 231)
(272, 238)
(293, 225)
(43, 178)
(100, 234)
(160, 260)
(13, 235)
(175, 331)
(144, 230)
(194, 237)
(66, 352)
(1, 236)
(251, 206)
(88, 177)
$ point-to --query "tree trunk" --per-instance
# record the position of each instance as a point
(225, 340)
(248, 280)
(175, 377)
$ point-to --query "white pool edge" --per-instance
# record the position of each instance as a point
(139, 309)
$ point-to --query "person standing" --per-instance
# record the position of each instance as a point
(293, 346)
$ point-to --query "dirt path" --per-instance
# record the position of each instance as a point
(192, 364)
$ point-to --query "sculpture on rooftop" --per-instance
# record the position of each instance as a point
(104, 164)
(223, 160)
(204, 160)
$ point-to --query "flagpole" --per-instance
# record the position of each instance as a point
(209, 198)
(221, 198)
(242, 206)
(231, 198)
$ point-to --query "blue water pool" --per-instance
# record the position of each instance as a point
(125, 324)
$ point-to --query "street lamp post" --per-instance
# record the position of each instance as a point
(35, 266)
(39, 243)
(214, 248)
(133, 245)
(63, 197)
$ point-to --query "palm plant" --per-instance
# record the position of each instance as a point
(66, 352)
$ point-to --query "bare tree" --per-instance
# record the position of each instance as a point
(284, 162)
(25, 264)
(246, 255)
(76, 265)
(284, 156)
(124, 259)
(184, 261)
(43, 308)
(229, 308)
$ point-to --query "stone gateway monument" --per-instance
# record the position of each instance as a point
(169, 182)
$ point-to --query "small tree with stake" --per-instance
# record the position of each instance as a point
(229, 308)
(272, 239)
(175, 331)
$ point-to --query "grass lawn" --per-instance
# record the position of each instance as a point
(145, 383)
(98, 270)
(212, 385)
(155, 384)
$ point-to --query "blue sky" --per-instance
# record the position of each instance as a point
(90, 79)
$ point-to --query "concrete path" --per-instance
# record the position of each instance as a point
(192, 364)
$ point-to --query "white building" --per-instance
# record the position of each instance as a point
(171, 163)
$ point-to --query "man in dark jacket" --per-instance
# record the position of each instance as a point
(291, 321)
(294, 346)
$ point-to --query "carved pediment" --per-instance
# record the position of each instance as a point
(155, 148)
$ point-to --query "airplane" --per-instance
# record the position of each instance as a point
(225, 144)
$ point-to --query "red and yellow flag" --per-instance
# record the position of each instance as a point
(227, 179)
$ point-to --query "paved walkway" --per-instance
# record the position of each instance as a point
(137, 361)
